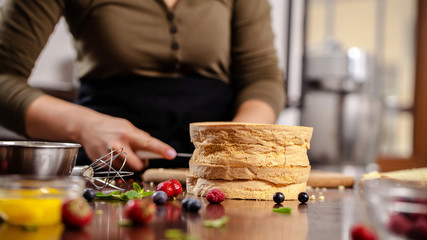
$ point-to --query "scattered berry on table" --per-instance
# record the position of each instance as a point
(191, 205)
(185, 202)
(165, 187)
(89, 194)
(215, 196)
(159, 197)
(139, 211)
(303, 197)
(362, 232)
(176, 186)
(76, 213)
(278, 197)
(194, 205)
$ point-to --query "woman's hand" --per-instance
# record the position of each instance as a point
(53, 119)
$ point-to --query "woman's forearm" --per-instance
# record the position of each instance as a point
(255, 111)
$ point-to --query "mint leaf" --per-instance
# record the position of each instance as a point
(217, 223)
(177, 234)
(146, 193)
(138, 193)
(132, 194)
(137, 187)
(284, 210)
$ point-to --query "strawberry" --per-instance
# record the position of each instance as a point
(140, 211)
(165, 187)
(76, 213)
(361, 232)
(215, 196)
(176, 186)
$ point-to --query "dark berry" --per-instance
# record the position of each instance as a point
(194, 205)
(89, 194)
(303, 197)
(159, 197)
(278, 197)
(185, 202)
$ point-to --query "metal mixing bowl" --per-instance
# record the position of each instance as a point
(37, 158)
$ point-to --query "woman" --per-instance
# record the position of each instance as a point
(147, 68)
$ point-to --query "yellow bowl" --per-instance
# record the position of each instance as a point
(36, 201)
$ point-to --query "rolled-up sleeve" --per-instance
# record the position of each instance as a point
(25, 27)
(254, 66)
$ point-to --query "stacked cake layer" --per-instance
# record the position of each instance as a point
(249, 161)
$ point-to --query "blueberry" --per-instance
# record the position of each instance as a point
(185, 202)
(279, 197)
(89, 194)
(159, 197)
(303, 197)
(194, 205)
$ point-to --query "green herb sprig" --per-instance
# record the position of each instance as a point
(136, 193)
(217, 223)
(284, 210)
(177, 234)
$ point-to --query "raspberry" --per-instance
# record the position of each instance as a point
(361, 232)
(215, 196)
(165, 187)
(176, 186)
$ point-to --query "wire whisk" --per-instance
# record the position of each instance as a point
(101, 172)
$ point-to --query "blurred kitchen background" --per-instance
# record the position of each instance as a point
(350, 74)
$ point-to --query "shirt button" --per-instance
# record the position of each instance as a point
(170, 16)
(175, 46)
(174, 29)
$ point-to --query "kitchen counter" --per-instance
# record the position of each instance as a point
(330, 218)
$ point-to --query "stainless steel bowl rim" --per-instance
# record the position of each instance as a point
(16, 181)
(38, 144)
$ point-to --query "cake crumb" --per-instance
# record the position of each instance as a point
(317, 189)
(324, 189)
(312, 197)
(341, 187)
(308, 188)
(322, 198)
(151, 184)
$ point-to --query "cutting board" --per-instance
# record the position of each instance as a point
(317, 178)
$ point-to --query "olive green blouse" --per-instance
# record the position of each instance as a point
(228, 40)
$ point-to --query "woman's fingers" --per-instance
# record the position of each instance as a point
(147, 143)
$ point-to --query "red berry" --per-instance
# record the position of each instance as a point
(215, 196)
(399, 224)
(361, 232)
(76, 213)
(176, 186)
(140, 211)
(165, 187)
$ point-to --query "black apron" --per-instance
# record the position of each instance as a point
(163, 107)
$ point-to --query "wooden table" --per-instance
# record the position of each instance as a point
(329, 219)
